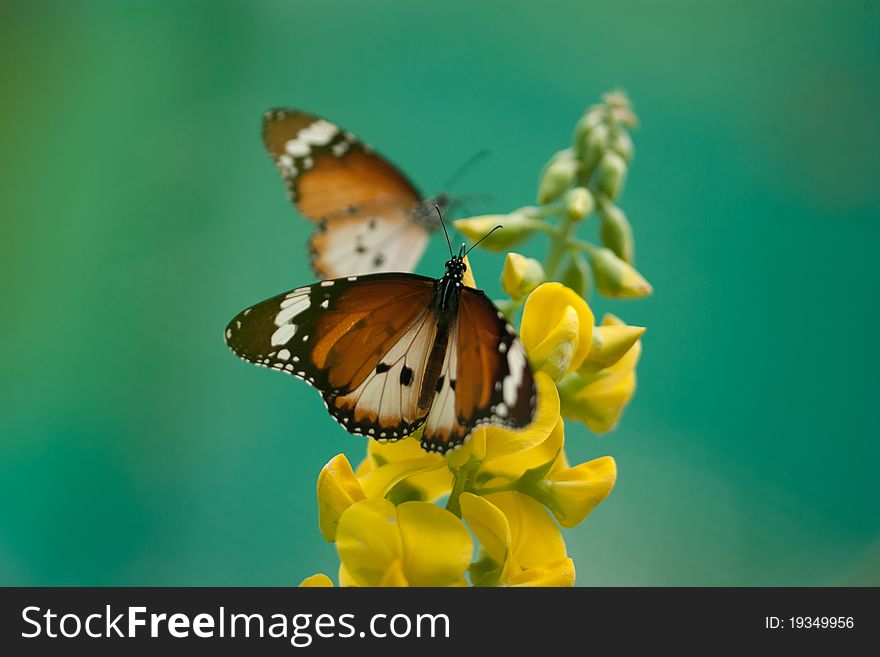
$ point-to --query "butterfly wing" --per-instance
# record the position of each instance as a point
(335, 179)
(379, 237)
(362, 341)
(485, 378)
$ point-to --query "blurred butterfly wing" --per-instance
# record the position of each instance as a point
(375, 239)
(486, 377)
(328, 170)
(362, 341)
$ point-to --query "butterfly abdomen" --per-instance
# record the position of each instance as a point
(433, 367)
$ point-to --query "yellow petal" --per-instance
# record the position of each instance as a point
(382, 479)
(368, 541)
(437, 548)
(581, 489)
(611, 343)
(489, 442)
(521, 275)
(394, 576)
(319, 580)
(558, 573)
(513, 466)
(468, 278)
(545, 309)
(555, 352)
(489, 525)
(430, 484)
(537, 540)
(600, 403)
(338, 489)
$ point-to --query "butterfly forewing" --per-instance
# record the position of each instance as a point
(362, 341)
(335, 179)
(486, 377)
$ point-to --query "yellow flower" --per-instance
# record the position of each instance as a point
(557, 329)
(521, 545)
(598, 398)
(338, 487)
(413, 544)
(576, 491)
(318, 580)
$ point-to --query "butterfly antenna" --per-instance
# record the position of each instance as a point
(443, 223)
(464, 167)
(481, 239)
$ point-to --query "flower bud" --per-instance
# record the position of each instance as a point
(612, 173)
(616, 232)
(558, 174)
(588, 122)
(576, 275)
(623, 145)
(615, 278)
(611, 342)
(579, 203)
(578, 490)
(521, 275)
(591, 148)
(517, 227)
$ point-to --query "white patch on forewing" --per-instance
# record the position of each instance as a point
(319, 133)
(516, 363)
(283, 334)
(284, 354)
(291, 307)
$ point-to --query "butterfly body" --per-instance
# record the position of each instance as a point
(393, 352)
(369, 216)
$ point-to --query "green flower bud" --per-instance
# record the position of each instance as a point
(591, 149)
(591, 118)
(576, 275)
(616, 232)
(517, 227)
(558, 174)
(622, 144)
(612, 173)
(521, 275)
(615, 278)
(579, 203)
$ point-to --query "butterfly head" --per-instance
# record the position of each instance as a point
(455, 266)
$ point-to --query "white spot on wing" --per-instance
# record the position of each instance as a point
(283, 334)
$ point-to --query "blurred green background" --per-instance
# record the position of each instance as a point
(140, 213)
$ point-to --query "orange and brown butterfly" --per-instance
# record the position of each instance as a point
(370, 217)
(392, 352)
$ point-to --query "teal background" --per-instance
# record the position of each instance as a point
(140, 213)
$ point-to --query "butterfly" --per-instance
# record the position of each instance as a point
(393, 352)
(370, 217)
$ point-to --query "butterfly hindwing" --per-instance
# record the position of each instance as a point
(378, 237)
(485, 379)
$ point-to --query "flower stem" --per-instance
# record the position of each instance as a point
(558, 245)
